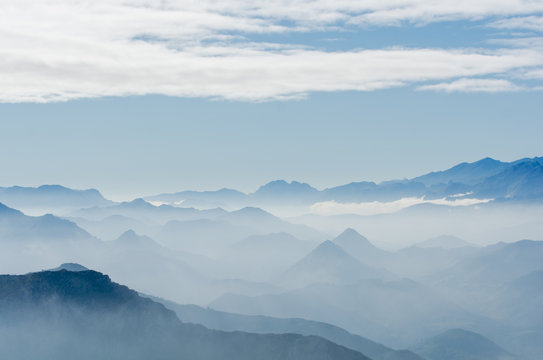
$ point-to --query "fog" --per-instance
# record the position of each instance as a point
(419, 277)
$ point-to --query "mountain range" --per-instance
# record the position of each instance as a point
(484, 179)
(84, 315)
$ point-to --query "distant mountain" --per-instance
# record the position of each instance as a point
(113, 226)
(146, 212)
(266, 255)
(280, 191)
(523, 181)
(214, 236)
(223, 198)
(361, 248)
(368, 191)
(48, 198)
(328, 263)
(83, 315)
(494, 265)
(459, 344)
(219, 320)
(130, 239)
(486, 178)
(14, 226)
(397, 313)
(70, 267)
(466, 173)
(444, 242)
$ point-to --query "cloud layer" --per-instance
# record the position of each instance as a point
(56, 50)
(328, 208)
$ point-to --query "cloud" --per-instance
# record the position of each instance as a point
(57, 50)
(474, 85)
(534, 23)
(328, 208)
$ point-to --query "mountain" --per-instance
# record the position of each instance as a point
(48, 198)
(266, 255)
(130, 239)
(70, 267)
(494, 265)
(397, 313)
(84, 315)
(459, 344)
(213, 236)
(444, 242)
(523, 180)
(16, 226)
(328, 263)
(280, 191)
(466, 173)
(219, 320)
(146, 212)
(113, 226)
(369, 191)
(361, 248)
(223, 198)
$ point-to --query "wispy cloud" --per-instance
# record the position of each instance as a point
(328, 208)
(474, 85)
(534, 23)
(56, 50)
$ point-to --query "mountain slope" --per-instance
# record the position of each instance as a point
(328, 263)
(466, 173)
(360, 248)
(83, 315)
(459, 344)
(51, 197)
(14, 225)
(219, 320)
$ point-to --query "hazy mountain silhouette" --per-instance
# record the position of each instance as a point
(494, 265)
(459, 344)
(444, 242)
(376, 309)
(523, 180)
(144, 211)
(83, 315)
(466, 173)
(266, 255)
(280, 191)
(219, 320)
(328, 263)
(14, 225)
(69, 267)
(203, 199)
(361, 248)
(51, 197)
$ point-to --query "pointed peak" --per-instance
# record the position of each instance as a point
(328, 247)
(351, 235)
(128, 234)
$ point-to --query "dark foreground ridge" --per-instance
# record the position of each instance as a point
(84, 315)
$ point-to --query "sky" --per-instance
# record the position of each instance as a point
(140, 97)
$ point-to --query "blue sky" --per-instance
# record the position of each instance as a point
(136, 97)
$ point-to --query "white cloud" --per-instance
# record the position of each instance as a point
(54, 50)
(328, 208)
(474, 85)
(534, 23)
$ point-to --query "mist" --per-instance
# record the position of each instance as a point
(399, 281)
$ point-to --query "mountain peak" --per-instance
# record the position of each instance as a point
(70, 267)
(328, 248)
(352, 238)
(283, 187)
